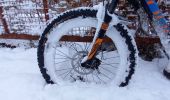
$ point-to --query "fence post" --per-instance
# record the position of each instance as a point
(45, 5)
(5, 25)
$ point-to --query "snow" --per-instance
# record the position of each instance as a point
(0, 30)
(20, 79)
(20, 43)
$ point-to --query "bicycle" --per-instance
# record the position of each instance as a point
(90, 45)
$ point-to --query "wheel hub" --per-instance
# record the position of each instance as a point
(91, 64)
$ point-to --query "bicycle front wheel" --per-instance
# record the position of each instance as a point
(67, 40)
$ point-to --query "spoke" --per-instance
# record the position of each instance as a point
(76, 64)
(64, 57)
(63, 53)
(78, 67)
(87, 78)
(93, 77)
(86, 46)
(81, 47)
(63, 69)
(72, 46)
(99, 78)
(62, 61)
(65, 72)
(84, 71)
(105, 76)
(111, 57)
(68, 70)
(111, 53)
(109, 65)
(108, 70)
(61, 58)
(67, 44)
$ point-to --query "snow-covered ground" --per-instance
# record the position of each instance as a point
(20, 79)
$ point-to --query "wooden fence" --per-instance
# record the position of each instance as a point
(25, 19)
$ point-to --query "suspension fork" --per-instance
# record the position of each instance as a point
(110, 7)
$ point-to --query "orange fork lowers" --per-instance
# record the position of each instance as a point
(98, 41)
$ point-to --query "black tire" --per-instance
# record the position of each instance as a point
(166, 74)
(129, 44)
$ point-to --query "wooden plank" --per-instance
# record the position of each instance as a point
(19, 36)
(45, 4)
(70, 38)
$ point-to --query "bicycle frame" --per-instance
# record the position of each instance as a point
(153, 7)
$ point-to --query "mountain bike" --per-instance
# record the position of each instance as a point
(91, 45)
